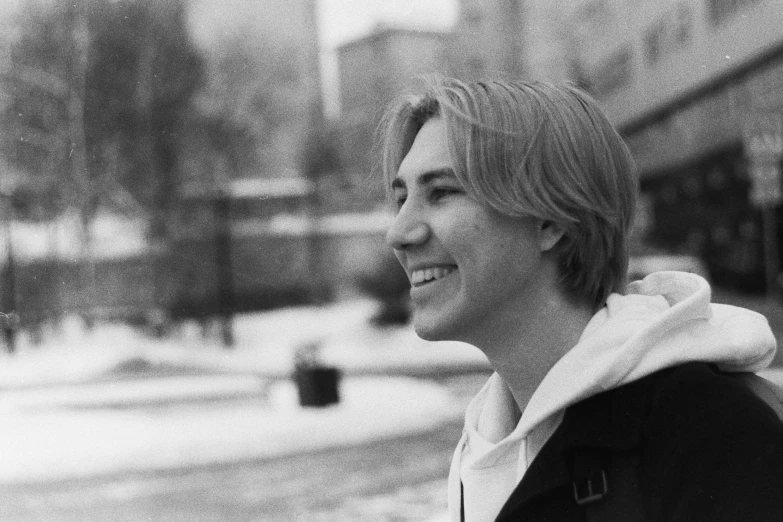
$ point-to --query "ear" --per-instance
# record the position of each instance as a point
(549, 234)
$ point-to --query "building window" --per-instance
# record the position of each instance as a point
(595, 10)
(683, 23)
(653, 41)
(667, 34)
(720, 10)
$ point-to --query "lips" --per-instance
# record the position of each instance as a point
(423, 276)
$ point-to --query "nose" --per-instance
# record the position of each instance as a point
(407, 230)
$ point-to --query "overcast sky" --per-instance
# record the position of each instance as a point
(343, 20)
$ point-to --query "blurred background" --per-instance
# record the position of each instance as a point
(200, 317)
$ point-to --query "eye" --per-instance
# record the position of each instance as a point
(438, 193)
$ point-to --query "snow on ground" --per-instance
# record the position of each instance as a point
(266, 344)
(42, 443)
(66, 414)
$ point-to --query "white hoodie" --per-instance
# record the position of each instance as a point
(662, 321)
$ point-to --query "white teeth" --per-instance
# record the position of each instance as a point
(429, 274)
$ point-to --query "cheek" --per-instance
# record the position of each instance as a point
(474, 232)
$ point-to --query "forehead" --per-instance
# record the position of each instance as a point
(429, 152)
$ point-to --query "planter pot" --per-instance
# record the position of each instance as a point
(318, 386)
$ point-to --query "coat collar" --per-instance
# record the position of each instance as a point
(607, 422)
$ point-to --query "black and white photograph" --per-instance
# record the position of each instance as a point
(391, 260)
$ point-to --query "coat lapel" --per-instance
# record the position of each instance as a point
(610, 421)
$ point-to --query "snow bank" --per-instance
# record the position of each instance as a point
(40, 445)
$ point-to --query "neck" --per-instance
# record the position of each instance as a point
(528, 343)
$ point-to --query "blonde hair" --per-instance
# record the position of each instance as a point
(539, 150)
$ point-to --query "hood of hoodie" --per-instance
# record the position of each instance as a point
(663, 320)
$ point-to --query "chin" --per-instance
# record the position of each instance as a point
(434, 330)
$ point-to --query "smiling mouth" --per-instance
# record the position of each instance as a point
(429, 275)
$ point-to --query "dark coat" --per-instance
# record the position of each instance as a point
(703, 446)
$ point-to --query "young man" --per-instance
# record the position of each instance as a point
(514, 207)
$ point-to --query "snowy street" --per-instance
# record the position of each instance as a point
(401, 479)
(76, 435)
(114, 425)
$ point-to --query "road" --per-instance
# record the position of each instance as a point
(402, 479)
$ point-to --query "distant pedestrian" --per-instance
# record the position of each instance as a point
(610, 401)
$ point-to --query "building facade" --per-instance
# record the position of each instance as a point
(684, 81)
(514, 39)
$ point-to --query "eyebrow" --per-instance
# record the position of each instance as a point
(426, 178)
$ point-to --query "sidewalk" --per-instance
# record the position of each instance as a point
(70, 432)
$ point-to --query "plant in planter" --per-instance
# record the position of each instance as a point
(318, 385)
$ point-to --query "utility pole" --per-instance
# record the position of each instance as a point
(8, 318)
(78, 152)
(225, 287)
(8, 297)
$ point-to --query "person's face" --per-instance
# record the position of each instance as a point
(469, 266)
